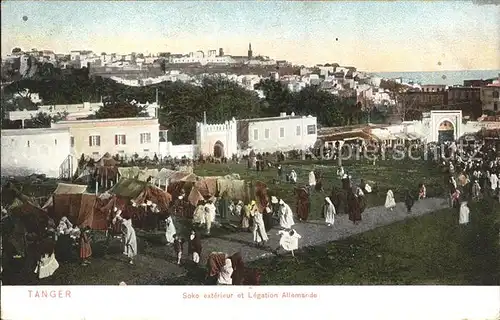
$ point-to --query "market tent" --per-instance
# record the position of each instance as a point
(34, 218)
(67, 188)
(62, 189)
(138, 173)
(207, 186)
(140, 192)
(235, 189)
(182, 176)
(195, 196)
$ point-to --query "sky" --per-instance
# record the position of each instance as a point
(372, 36)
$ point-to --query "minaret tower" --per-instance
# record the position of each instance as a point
(250, 51)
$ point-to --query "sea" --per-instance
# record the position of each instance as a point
(449, 78)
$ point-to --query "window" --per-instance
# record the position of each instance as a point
(72, 141)
(145, 138)
(266, 134)
(311, 129)
(255, 134)
(94, 141)
(297, 131)
(282, 132)
(28, 143)
(120, 139)
(495, 94)
(55, 142)
(495, 106)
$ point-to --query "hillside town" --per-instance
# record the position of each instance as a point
(182, 146)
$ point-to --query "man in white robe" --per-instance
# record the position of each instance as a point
(340, 172)
(390, 203)
(464, 213)
(207, 218)
(259, 229)
(493, 183)
(199, 214)
(225, 274)
(285, 215)
(289, 241)
(212, 209)
(46, 266)
(312, 180)
(329, 212)
(170, 230)
(130, 239)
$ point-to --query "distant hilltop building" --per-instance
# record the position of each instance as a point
(212, 57)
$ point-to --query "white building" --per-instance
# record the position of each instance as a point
(40, 151)
(200, 57)
(283, 133)
(125, 136)
(436, 126)
(74, 111)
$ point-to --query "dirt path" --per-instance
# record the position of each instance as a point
(313, 233)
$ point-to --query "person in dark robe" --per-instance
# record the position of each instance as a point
(194, 247)
(362, 185)
(336, 198)
(85, 248)
(64, 248)
(409, 201)
(267, 217)
(361, 199)
(303, 205)
(354, 209)
(346, 182)
(275, 209)
(238, 275)
(280, 173)
(223, 205)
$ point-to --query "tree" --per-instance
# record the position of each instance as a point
(413, 114)
(120, 110)
(24, 103)
(277, 97)
(182, 105)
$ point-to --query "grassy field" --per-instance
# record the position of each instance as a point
(389, 174)
(427, 250)
(396, 175)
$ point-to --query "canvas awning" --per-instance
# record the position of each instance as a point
(67, 188)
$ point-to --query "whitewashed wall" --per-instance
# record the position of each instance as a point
(28, 151)
(178, 151)
(290, 141)
(132, 128)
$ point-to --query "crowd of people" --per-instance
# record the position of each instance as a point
(472, 172)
